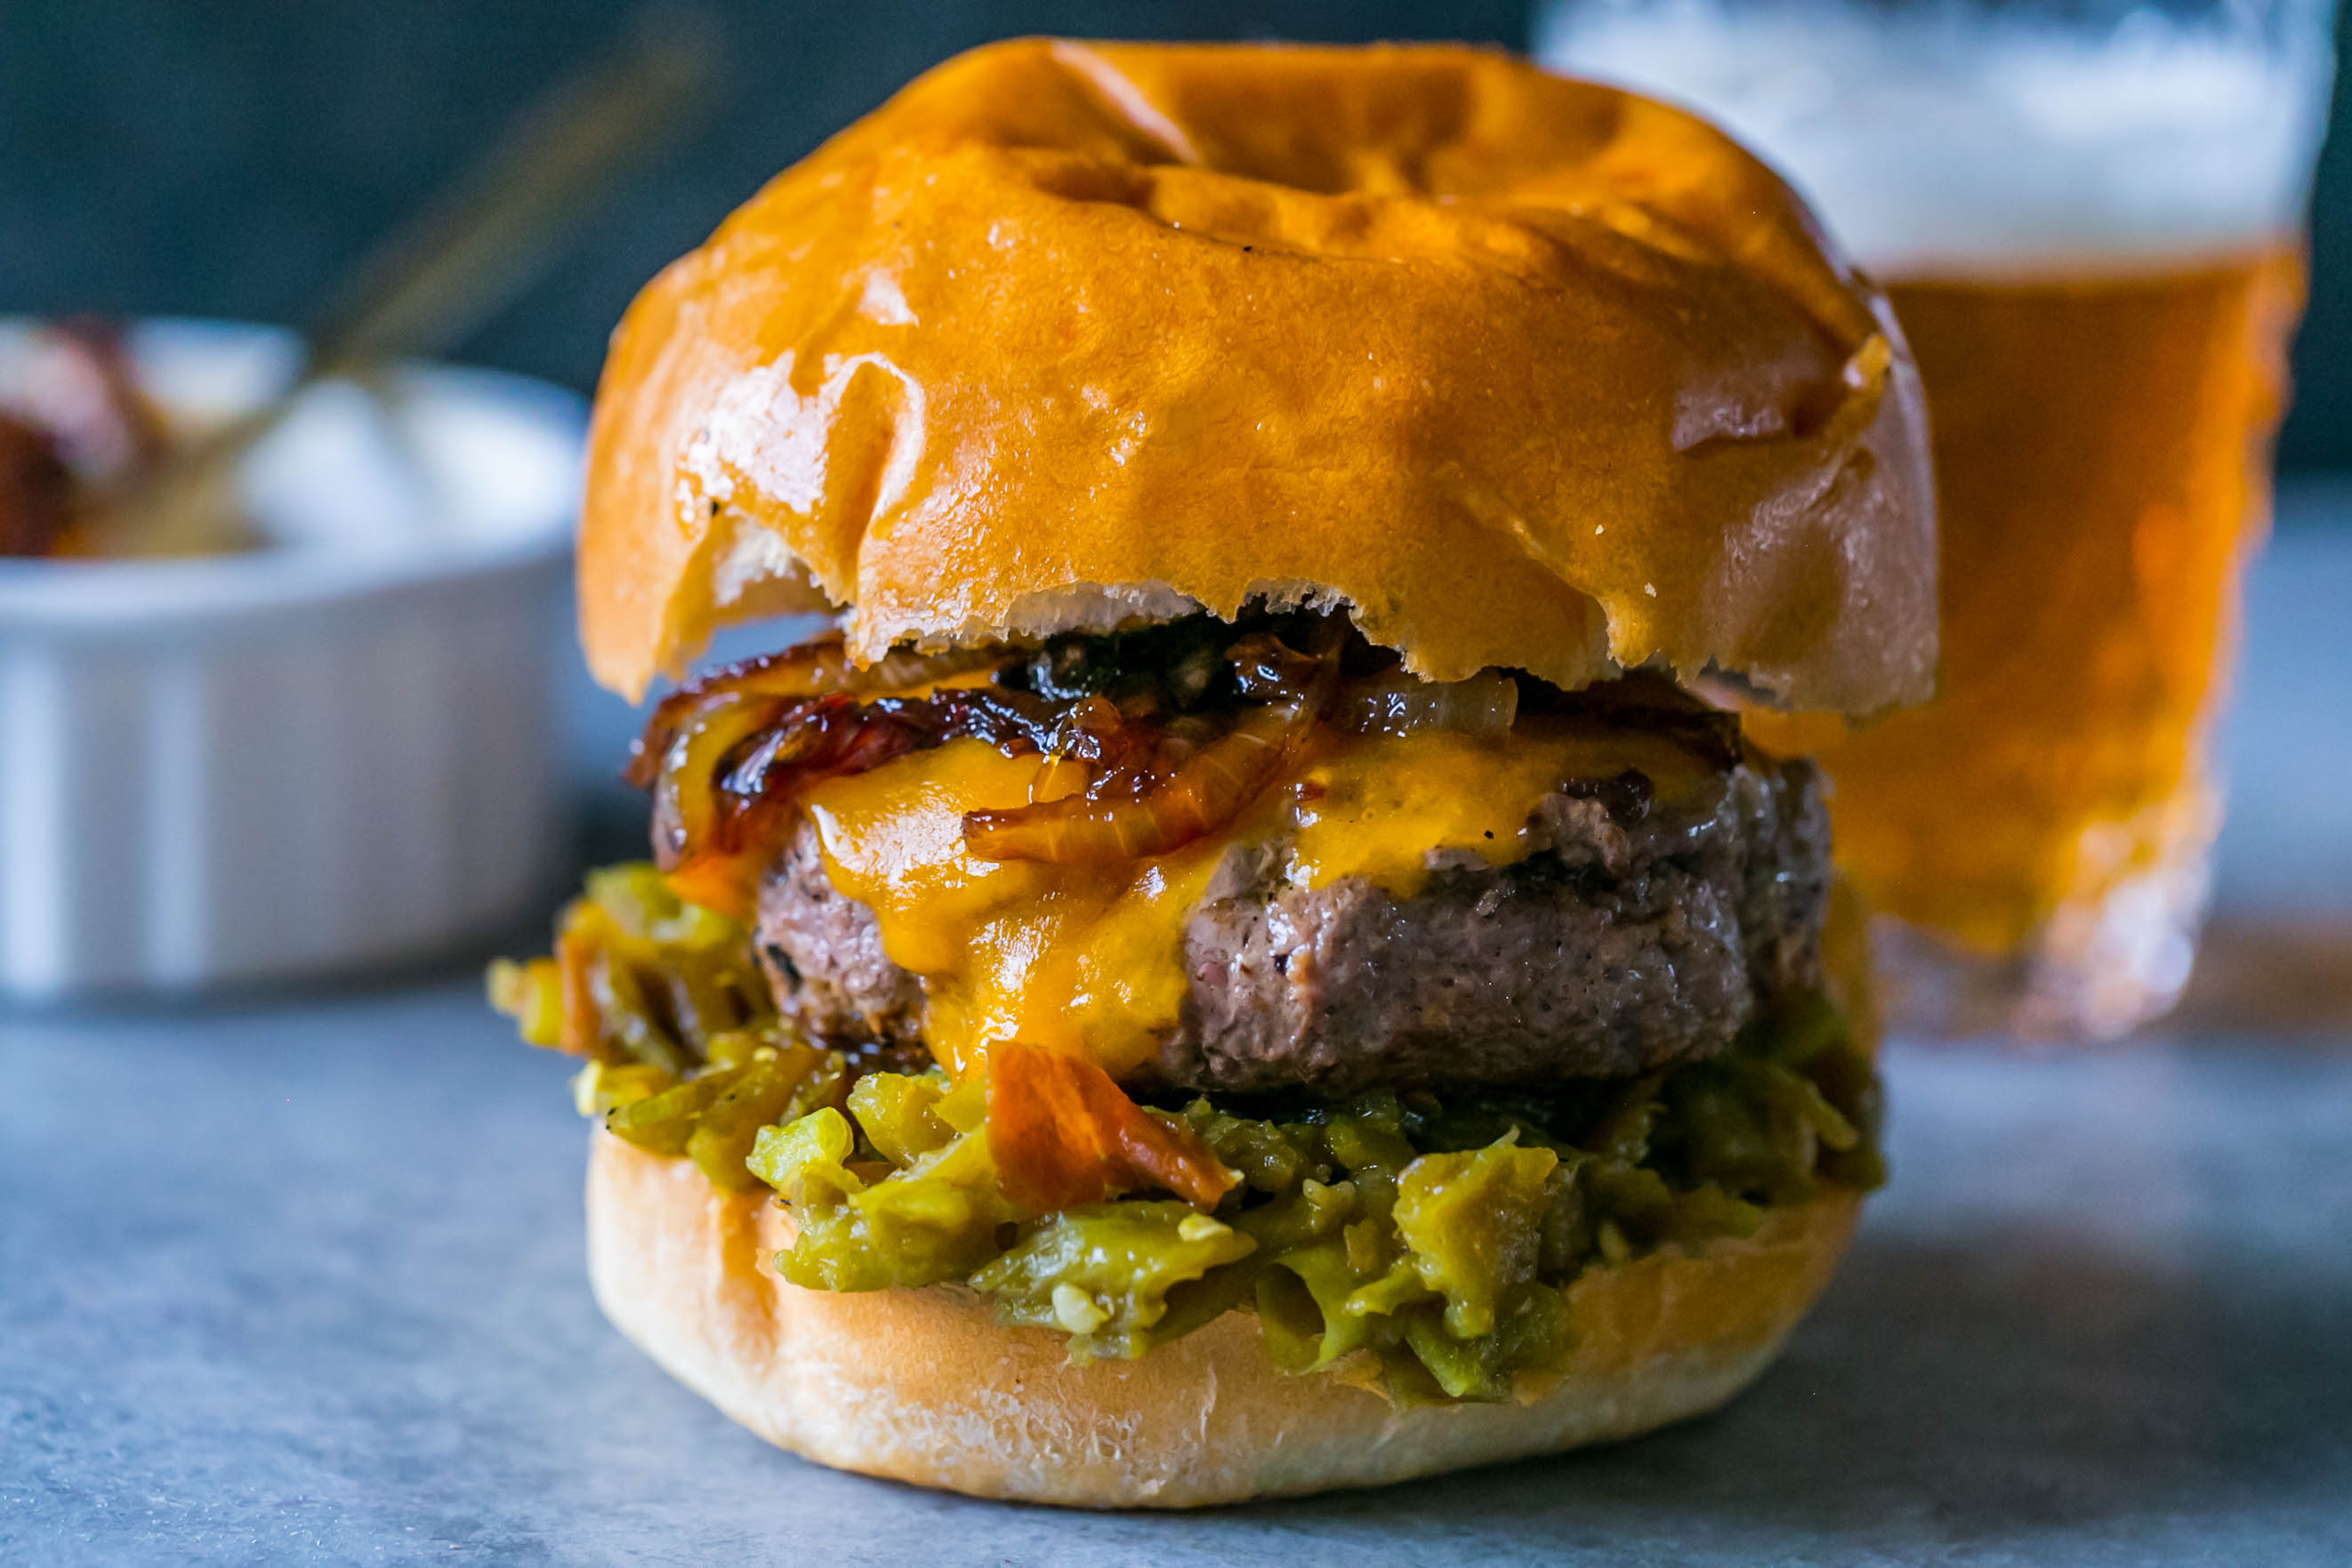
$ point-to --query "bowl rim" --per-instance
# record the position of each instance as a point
(155, 594)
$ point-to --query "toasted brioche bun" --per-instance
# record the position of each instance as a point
(924, 1386)
(1525, 371)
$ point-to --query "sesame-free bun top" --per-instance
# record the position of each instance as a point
(1526, 371)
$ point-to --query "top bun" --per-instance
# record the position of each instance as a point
(1525, 371)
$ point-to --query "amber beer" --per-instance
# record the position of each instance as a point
(2089, 219)
(2102, 441)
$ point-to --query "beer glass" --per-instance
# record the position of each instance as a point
(2090, 219)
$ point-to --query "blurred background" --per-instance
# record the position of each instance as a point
(231, 160)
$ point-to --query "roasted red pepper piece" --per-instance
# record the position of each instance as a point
(1064, 1134)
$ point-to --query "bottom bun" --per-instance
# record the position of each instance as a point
(925, 1386)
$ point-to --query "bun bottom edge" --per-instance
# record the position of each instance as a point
(924, 1386)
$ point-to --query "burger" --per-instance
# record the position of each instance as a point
(1252, 954)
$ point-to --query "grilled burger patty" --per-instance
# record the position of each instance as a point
(1637, 935)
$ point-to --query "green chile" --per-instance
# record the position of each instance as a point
(1359, 1227)
(1437, 1234)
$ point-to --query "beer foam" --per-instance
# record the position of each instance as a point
(1933, 143)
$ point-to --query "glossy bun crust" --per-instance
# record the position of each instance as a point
(923, 1386)
(1527, 371)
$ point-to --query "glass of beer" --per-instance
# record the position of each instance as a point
(2090, 219)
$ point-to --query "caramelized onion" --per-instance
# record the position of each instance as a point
(739, 764)
(819, 667)
(737, 768)
(729, 757)
(1062, 1134)
(1483, 707)
(1192, 787)
(1203, 795)
(686, 800)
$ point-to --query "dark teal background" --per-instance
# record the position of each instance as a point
(228, 158)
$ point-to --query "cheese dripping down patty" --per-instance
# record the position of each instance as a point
(1089, 960)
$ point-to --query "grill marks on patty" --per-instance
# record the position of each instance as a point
(1639, 935)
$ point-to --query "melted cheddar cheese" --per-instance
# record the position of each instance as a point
(1089, 960)
(1378, 807)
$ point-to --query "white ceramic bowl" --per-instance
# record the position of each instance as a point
(336, 753)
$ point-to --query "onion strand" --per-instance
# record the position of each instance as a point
(1483, 707)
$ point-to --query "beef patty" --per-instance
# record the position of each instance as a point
(1636, 936)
